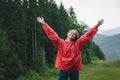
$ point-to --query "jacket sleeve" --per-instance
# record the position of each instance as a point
(87, 36)
(51, 34)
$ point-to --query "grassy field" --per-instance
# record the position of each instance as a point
(101, 70)
(98, 70)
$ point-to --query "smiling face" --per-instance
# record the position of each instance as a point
(72, 35)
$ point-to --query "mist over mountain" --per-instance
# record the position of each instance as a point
(110, 45)
(111, 32)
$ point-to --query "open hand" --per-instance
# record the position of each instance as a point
(100, 22)
(41, 20)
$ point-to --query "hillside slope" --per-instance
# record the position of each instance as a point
(110, 45)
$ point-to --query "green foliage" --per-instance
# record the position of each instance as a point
(88, 53)
(99, 53)
(32, 75)
(39, 64)
(2, 43)
(2, 70)
(50, 74)
(23, 44)
(95, 71)
(10, 65)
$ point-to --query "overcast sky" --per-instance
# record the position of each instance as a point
(92, 10)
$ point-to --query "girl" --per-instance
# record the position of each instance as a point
(68, 58)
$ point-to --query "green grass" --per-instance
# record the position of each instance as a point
(98, 70)
(101, 70)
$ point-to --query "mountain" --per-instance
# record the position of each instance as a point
(111, 32)
(110, 45)
(99, 37)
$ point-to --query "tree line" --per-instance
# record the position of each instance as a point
(23, 44)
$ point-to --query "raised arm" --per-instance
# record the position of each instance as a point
(89, 34)
(51, 34)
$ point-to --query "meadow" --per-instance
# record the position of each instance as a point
(98, 70)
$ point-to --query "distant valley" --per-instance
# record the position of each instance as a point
(109, 44)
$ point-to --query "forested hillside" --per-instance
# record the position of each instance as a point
(23, 44)
(109, 45)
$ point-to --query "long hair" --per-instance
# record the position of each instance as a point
(77, 34)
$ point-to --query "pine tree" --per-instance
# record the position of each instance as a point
(10, 65)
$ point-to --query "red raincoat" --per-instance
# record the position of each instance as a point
(69, 53)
